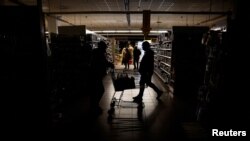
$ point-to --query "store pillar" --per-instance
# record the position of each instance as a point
(146, 23)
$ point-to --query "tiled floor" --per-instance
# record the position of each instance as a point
(153, 121)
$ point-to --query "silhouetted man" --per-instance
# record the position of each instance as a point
(99, 65)
(146, 70)
(136, 54)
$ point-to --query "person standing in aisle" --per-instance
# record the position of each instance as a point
(131, 51)
(146, 70)
(126, 57)
(136, 55)
(98, 69)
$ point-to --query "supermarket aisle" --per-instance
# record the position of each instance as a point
(155, 121)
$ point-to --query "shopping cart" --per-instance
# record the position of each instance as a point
(123, 81)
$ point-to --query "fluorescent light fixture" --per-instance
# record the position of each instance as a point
(216, 28)
(135, 31)
(159, 31)
(89, 32)
(107, 31)
(130, 31)
(223, 28)
(118, 31)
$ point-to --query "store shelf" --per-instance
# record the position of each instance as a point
(167, 41)
(165, 56)
(165, 49)
(163, 59)
(165, 71)
(160, 76)
(170, 89)
(166, 64)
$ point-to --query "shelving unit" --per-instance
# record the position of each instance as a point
(109, 51)
(155, 47)
(189, 62)
(93, 39)
(163, 55)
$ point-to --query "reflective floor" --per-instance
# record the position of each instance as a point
(153, 120)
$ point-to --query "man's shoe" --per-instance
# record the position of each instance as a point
(137, 99)
(159, 94)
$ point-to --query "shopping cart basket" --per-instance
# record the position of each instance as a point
(122, 80)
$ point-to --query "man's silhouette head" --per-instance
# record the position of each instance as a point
(145, 45)
(102, 45)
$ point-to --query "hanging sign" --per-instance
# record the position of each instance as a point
(146, 22)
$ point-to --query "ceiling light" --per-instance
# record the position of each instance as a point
(89, 32)
(129, 31)
(159, 31)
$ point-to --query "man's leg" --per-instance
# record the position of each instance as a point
(97, 93)
(138, 98)
(156, 89)
(134, 64)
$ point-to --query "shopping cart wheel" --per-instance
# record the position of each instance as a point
(111, 111)
(112, 104)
